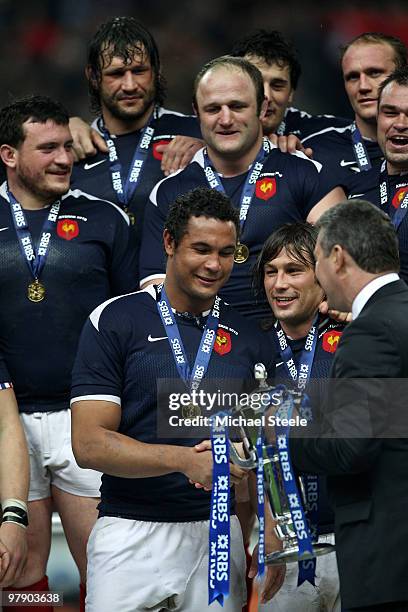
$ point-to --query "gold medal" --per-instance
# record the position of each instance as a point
(241, 253)
(36, 291)
(190, 411)
(131, 216)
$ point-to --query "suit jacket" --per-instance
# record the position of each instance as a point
(360, 451)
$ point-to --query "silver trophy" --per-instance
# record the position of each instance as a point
(273, 477)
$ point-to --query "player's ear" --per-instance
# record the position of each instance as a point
(169, 243)
(8, 155)
(264, 108)
(91, 76)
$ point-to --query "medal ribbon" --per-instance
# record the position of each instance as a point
(192, 379)
(261, 501)
(401, 211)
(301, 376)
(360, 150)
(219, 535)
(303, 535)
(35, 258)
(125, 188)
(248, 190)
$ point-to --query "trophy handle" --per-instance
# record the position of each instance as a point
(248, 463)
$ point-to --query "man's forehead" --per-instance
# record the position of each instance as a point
(40, 130)
(368, 52)
(112, 57)
(288, 255)
(394, 94)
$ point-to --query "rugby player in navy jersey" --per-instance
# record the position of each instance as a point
(285, 274)
(127, 91)
(389, 189)
(149, 547)
(351, 154)
(269, 188)
(63, 253)
(278, 63)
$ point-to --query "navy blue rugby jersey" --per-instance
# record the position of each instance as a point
(329, 335)
(302, 124)
(287, 189)
(92, 175)
(333, 147)
(122, 352)
(398, 186)
(90, 259)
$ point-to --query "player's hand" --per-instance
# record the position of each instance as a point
(337, 315)
(87, 141)
(178, 153)
(236, 474)
(273, 579)
(290, 144)
(13, 551)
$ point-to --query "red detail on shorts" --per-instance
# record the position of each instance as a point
(67, 229)
(222, 344)
(331, 340)
(156, 153)
(265, 188)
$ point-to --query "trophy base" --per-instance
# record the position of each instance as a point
(291, 554)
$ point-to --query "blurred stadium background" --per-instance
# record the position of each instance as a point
(43, 50)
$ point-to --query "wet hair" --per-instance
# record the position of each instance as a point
(375, 38)
(234, 63)
(272, 48)
(299, 240)
(200, 202)
(37, 109)
(126, 38)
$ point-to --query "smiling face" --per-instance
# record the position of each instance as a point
(200, 264)
(392, 127)
(365, 66)
(41, 165)
(228, 114)
(293, 292)
(127, 92)
(278, 90)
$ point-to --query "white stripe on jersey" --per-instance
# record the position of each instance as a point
(102, 398)
(77, 193)
(96, 314)
(332, 128)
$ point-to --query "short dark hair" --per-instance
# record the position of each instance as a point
(299, 240)
(200, 202)
(399, 76)
(271, 47)
(227, 61)
(37, 108)
(399, 48)
(126, 38)
(364, 231)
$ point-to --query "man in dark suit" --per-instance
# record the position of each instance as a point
(357, 446)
